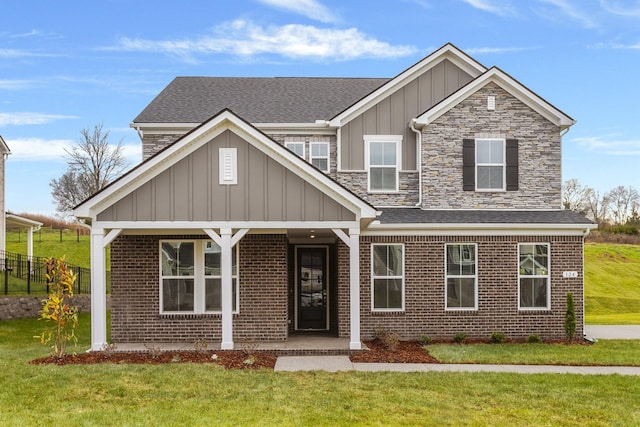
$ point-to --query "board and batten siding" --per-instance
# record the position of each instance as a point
(392, 115)
(189, 190)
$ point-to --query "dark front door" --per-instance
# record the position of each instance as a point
(311, 288)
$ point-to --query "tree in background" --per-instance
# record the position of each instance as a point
(575, 197)
(92, 164)
(622, 202)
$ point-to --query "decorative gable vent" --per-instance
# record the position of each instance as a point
(228, 166)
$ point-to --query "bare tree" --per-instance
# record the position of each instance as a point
(575, 197)
(597, 205)
(92, 164)
(621, 203)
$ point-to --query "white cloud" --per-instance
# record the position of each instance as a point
(499, 7)
(309, 8)
(496, 50)
(609, 145)
(37, 149)
(19, 119)
(15, 84)
(246, 39)
(41, 150)
(13, 53)
(574, 12)
(629, 9)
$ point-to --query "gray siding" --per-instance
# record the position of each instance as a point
(189, 191)
(392, 115)
(539, 152)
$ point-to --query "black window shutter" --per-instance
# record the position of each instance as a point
(512, 164)
(469, 164)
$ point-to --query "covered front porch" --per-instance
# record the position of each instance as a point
(265, 294)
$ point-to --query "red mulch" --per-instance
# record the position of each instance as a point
(229, 359)
(405, 352)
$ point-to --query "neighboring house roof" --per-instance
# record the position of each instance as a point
(506, 82)
(20, 221)
(256, 99)
(4, 148)
(225, 120)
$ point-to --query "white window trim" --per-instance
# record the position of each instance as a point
(327, 157)
(373, 277)
(460, 276)
(198, 278)
(503, 165)
(397, 140)
(289, 144)
(539, 276)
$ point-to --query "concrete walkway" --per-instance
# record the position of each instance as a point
(613, 332)
(342, 363)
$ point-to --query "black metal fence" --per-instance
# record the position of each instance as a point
(21, 275)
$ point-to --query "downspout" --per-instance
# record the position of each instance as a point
(139, 132)
(418, 159)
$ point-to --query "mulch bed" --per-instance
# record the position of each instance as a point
(229, 359)
(405, 352)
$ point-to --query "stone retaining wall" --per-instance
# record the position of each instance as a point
(18, 307)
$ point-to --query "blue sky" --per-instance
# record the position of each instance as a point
(69, 65)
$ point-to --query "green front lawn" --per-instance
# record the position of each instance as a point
(191, 394)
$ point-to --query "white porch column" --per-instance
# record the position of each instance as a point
(354, 288)
(227, 289)
(98, 291)
(29, 243)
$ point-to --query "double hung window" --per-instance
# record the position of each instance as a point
(461, 276)
(191, 277)
(534, 283)
(490, 164)
(387, 264)
(297, 147)
(383, 162)
(319, 155)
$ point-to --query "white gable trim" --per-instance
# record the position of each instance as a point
(448, 51)
(506, 82)
(226, 120)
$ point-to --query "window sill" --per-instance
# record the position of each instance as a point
(533, 310)
(461, 310)
(396, 312)
(191, 315)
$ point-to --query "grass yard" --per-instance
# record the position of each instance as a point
(191, 394)
(46, 243)
(612, 284)
(604, 352)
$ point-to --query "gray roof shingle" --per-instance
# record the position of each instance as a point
(419, 216)
(256, 99)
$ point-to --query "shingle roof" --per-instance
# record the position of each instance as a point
(298, 99)
(419, 216)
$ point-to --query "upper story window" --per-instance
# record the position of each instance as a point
(383, 161)
(490, 164)
(296, 147)
(319, 155)
(490, 167)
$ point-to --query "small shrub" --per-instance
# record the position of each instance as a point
(153, 350)
(56, 308)
(425, 340)
(201, 345)
(570, 318)
(388, 339)
(109, 348)
(249, 347)
(460, 337)
(497, 338)
(534, 339)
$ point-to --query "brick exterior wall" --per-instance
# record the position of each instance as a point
(135, 298)
(540, 178)
(497, 264)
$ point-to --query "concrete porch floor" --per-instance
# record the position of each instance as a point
(298, 344)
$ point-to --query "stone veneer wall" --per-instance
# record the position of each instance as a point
(154, 143)
(407, 196)
(425, 314)
(539, 154)
(19, 307)
(135, 314)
